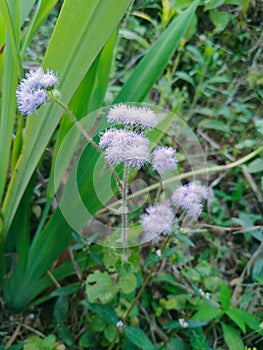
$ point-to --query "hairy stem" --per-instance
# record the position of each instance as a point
(87, 137)
(124, 210)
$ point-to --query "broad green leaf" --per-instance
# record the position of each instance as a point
(110, 332)
(154, 62)
(127, 283)
(214, 124)
(250, 320)
(220, 20)
(33, 341)
(49, 341)
(65, 335)
(151, 259)
(61, 308)
(237, 317)
(207, 312)
(85, 340)
(256, 166)
(99, 287)
(105, 312)
(225, 296)
(232, 337)
(138, 337)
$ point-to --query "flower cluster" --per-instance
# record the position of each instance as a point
(132, 116)
(164, 159)
(31, 92)
(125, 146)
(158, 220)
(189, 198)
(132, 148)
(183, 323)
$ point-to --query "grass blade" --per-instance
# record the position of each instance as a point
(154, 62)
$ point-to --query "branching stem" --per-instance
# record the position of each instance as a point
(87, 137)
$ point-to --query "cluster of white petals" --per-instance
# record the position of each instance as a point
(157, 220)
(164, 159)
(31, 92)
(125, 146)
(189, 197)
(132, 116)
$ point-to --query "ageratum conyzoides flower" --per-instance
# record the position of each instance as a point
(125, 146)
(31, 92)
(132, 116)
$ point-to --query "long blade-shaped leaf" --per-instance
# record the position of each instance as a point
(88, 98)
(154, 62)
(9, 84)
(76, 41)
(41, 14)
(12, 26)
(26, 8)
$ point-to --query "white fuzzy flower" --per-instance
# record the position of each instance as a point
(159, 219)
(31, 92)
(189, 197)
(183, 323)
(125, 146)
(132, 116)
(164, 159)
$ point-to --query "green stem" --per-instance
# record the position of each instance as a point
(87, 137)
(213, 169)
(124, 210)
(145, 282)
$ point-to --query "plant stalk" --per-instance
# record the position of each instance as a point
(87, 137)
(124, 210)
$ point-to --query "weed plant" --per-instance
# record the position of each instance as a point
(135, 269)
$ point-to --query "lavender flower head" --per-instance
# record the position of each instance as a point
(159, 219)
(189, 197)
(164, 159)
(132, 116)
(31, 92)
(125, 146)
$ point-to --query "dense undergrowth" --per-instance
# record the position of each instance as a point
(200, 289)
